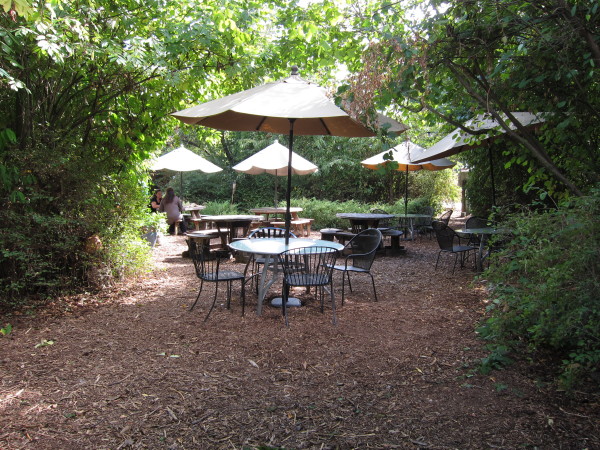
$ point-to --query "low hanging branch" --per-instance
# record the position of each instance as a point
(521, 135)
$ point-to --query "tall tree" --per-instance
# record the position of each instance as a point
(497, 57)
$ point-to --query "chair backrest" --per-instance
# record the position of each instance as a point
(364, 247)
(476, 222)
(269, 232)
(207, 266)
(438, 225)
(445, 216)
(444, 235)
(308, 266)
(383, 223)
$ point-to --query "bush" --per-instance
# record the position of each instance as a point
(545, 287)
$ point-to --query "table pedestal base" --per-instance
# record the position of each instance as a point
(292, 301)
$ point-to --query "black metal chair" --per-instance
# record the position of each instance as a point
(475, 222)
(446, 238)
(208, 268)
(445, 216)
(256, 261)
(307, 267)
(363, 248)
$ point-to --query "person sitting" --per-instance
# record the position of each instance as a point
(155, 201)
(171, 204)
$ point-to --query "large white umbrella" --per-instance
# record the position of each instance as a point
(458, 140)
(183, 160)
(274, 160)
(404, 156)
(289, 106)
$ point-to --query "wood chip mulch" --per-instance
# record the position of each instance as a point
(133, 368)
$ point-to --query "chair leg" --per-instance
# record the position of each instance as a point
(320, 290)
(229, 287)
(214, 301)
(284, 299)
(332, 303)
(349, 284)
(373, 283)
(438, 259)
(343, 284)
(455, 259)
(198, 296)
(243, 296)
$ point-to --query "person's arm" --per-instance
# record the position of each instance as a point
(161, 207)
(155, 204)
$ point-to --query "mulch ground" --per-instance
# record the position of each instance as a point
(133, 368)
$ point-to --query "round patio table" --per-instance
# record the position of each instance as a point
(485, 233)
(410, 218)
(270, 248)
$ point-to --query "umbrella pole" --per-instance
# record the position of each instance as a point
(492, 176)
(406, 192)
(288, 215)
(181, 185)
(276, 182)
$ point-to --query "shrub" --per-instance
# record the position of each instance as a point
(545, 287)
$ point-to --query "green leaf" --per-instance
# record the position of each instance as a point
(44, 343)
(6, 330)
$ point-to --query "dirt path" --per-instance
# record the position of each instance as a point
(136, 369)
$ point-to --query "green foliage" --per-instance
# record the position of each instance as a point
(545, 284)
(497, 359)
(323, 211)
(6, 330)
(223, 207)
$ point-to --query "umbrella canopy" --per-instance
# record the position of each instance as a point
(404, 154)
(274, 159)
(183, 160)
(271, 106)
(289, 106)
(458, 140)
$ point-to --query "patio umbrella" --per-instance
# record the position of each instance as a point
(274, 160)
(458, 140)
(289, 106)
(404, 155)
(183, 160)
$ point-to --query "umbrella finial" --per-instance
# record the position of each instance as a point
(294, 70)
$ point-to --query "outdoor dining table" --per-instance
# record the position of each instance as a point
(270, 248)
(485, 233)
(276, 211)
(193, 214)
(194, 210)
(364, 220)
(231, 226)
(408, 221)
